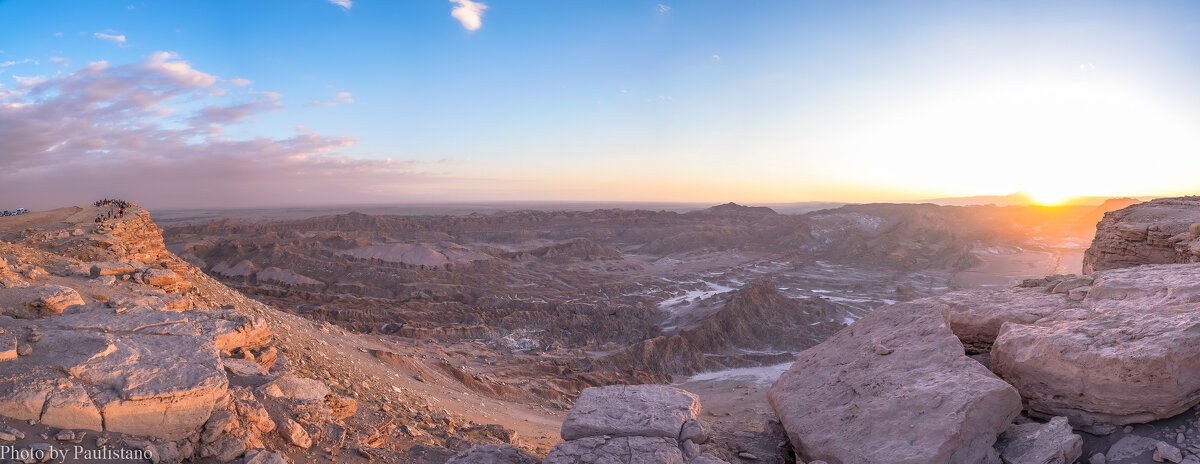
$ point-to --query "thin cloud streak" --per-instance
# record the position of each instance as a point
(340, 97)
(118, 38)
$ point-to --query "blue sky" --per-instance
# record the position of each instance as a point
(386, 101)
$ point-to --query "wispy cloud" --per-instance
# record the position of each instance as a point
(240, 82)
(716, 57)
(340, 97)
(112, 37)
(664, 9)
(220, 115)
(469, 13)
(60, 60)
(5, 64)
(345, 4)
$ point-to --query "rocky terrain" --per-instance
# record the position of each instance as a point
(467, 338)
(1099, 368)
(114, 349)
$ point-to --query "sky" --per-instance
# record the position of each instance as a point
(321, 102)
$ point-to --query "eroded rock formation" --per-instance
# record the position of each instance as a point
(1159, 231)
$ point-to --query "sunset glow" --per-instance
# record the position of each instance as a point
(394, 102)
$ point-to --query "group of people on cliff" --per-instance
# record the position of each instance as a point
(122, 204)
(116, 209)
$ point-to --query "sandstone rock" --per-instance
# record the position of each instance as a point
(294, 434)
(1072, 284)
(1127, 449)
(159, 277)
(1154, 232)
(927, 402)
(296, 388)
(8, 347)
(690, 449)
(44, 300)
(261, 456)
(112, 268)
(1130, 353)
(23, 398)
(1033, 443)
(70, 407)
(1167, 453)
(493, 454)
(624, 450)
(630, 410)
(233, 329)
(243, 368)
(694, 430)
(154, 385)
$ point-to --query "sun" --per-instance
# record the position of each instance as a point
(1051, 196)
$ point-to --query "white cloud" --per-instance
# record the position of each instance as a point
(60, 60)
(624, 91)
(663, 9)
(716, 57)
(132, 7)
(469, 13)
(1087, 67)
(114, 37)
(346, 4)
(340, 97)
(240, 81)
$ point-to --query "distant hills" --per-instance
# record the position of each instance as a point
(1024, 199)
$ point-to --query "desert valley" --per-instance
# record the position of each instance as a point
(353, 337)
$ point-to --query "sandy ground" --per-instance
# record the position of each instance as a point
(537, 427)
(1010, 266)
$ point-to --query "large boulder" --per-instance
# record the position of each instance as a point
(1128, 353)
(1155, 232)
(630, 410)
(895, 387)
(616, 450)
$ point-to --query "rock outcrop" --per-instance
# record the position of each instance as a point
(1118, 347)
(896, 387)
(1159, 231)
(631, 424)
(104, 331)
